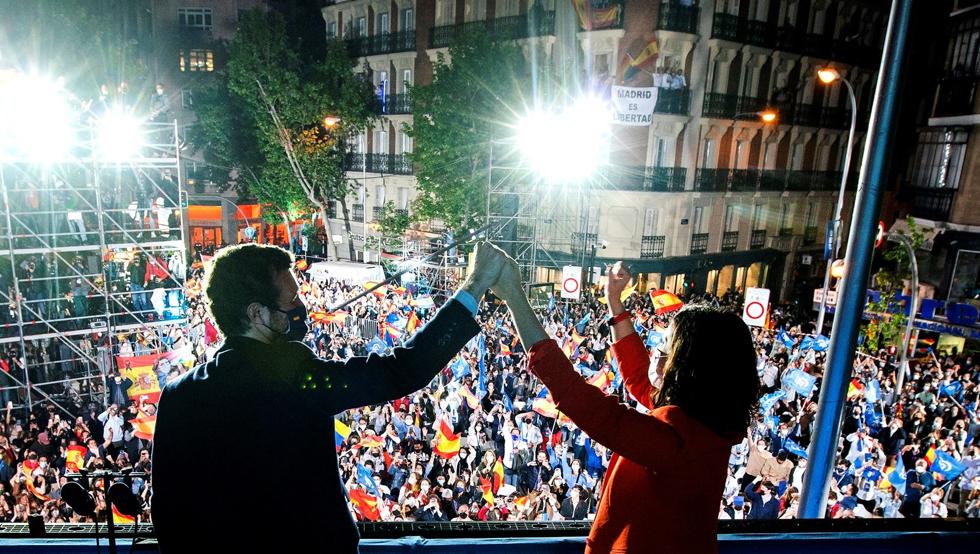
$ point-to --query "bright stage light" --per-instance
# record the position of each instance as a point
(36, 119)
(568, 145)
(119, 136)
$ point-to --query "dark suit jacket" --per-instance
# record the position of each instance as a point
(244, 454)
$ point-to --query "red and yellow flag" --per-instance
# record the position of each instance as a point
(601, 379)
(140, 370)
(487, 488)
(365, 504)
(320, 316)
(447, 443)
(643, 61)
(931, 455)
(855, 388)
(120, 518)
(520, 502)
(370, 441)
(380, 292)
(592, 17)
(144, 427)
(498, 476)
(471, 400)
(29, 483)
(75, 458)
(302, 265)
(665, 301)
(413, 322)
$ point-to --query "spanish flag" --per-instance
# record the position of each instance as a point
(370, 441)
(144, 427)
(75, 458)
(545, 406)
(641, 62)
(601, 380)
(120, 518)
(520, 502)
(341, 432)
(380, 292)
(140, 370)
(855, 388)
(487, 488)
(569, 347)
(622, 296)
(365, 504)
(302, 265)
(471, 400)
(413, 322)
(597, 14)
(498, 476)
(447, 443)
(29, 483)
(931, 455)
(320, 316)
(665, 301)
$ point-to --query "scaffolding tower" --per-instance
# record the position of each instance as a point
(92, 253)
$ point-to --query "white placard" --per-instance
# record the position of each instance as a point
(755, 311)
(831, 297)
(571, 282)
(634, 105)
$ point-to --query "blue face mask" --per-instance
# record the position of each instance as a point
(296, 327)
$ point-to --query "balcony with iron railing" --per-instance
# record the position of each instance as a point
(717, 104)
(673, 101)
(503, 28)
(395, 104)
(674, 16)
(809, 235)
(401, 212)
(785, 231)
(774, 180)
(395, 164)
(956, 95)
(699, 243)
(652, 246)
(384, 43)
(357, 212)
(376, 213)
(711, 179)
(757, 239)
(934, 204)
(729, 241)
(644, 179)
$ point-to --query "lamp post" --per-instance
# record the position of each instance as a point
(829, 75)
(913, 308)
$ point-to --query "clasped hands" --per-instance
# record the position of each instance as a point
(493, 269)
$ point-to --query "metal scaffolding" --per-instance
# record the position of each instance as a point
(92, 253)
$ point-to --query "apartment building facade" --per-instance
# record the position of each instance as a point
(706, 197)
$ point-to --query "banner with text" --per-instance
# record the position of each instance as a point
(634, 105)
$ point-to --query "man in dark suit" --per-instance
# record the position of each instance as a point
(235, 437)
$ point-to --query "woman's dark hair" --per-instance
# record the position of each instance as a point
(239, 276)
(710, 371)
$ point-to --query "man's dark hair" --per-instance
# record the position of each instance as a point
(241, 275)
(710, 371)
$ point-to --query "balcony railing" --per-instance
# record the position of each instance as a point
(357, 212)
(645, 179)
(385, 43)
(376, 213)
(673, 101)
(785, 231)
(401, 212)
(752, 180)
(652, 246)
(956, 95)
(930, 203)
(729, 241)
(603, 15)
(502, 28)
(676, 17)
(354, 161)
(718, 104)
(809, 235)
(757, 239)
(396, 164)
(395, 104)
(699, 243)
(711, 180)
(787, 38)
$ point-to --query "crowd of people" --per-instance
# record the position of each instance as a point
(483, 441)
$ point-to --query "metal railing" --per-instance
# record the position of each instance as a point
(930, 203)
(757, 239)
(395, 104)
(652, 246)
(645, 179)
(729, 241)
(384, 43)
(502, 28)
(809, 235)
(717, 104)
(673, 101)
(699, 243)
(956, 95)
(357, 212)
(785, 231)
(676, 17)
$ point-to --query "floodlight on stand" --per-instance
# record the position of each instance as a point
(568, 145)
(118, 136)
(36, 119)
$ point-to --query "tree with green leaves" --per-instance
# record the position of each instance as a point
(887, 324)
(266, 118)
(477, 94)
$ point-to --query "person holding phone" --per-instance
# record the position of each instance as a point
(665, 481)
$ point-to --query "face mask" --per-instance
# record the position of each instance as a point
(920, 470)
(296, 327)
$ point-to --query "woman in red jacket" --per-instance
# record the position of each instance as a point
(667, 476)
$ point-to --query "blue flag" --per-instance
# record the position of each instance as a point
(793, 448)
(638, 327)
(784, 338)
(873, 392)
(377, 346)
(800, 382)
(768, 401)
(580, 326)
(654, 339)
(821, 343)
(508, 404)
(551, 303)
(897, 476)
(366, 479)
(481, 347)
(806, 343)
(947, 466)
(951, 390)
(459, 367)
(564, 317)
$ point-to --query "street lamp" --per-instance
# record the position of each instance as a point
(330, 121)
(828, 76)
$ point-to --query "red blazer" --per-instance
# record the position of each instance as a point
(664, 484)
